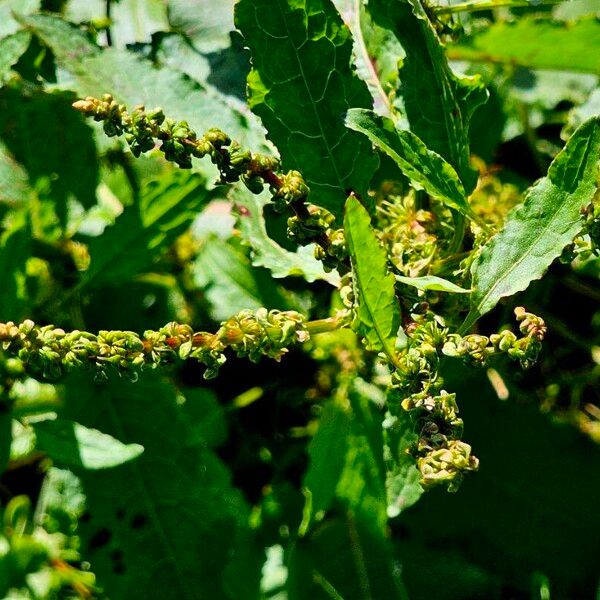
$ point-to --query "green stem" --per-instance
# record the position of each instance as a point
(459, 233)
(490, 5)
(109, 41)
(323, 325)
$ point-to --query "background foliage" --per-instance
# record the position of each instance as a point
(286, 480)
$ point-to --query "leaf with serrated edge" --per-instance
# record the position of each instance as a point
(378, 311)
(438, 104)
(432, 283)
(70, 444)
(301, 85)
(266, 252)
(425, 169)
(536, 231)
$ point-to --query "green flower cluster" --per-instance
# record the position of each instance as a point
(317, 226)
(145, 130)
(442, 457)
(51, 352)
(478, 348)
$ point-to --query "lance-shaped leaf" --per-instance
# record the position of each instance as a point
(536, 232)
(536, 44)
(70, 444)
(376, 50)
(438, 105)
(425, 169)
(301, 85)
(378, 311)
(432, 283)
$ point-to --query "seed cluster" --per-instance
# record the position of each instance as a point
(51, 352)
(442, 457)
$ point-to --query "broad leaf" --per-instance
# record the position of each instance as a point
(14, 183)
(135, 81)
(5, 435)
(70, 444)
(378, 311)
(535, 44)
(301, 85)
(362, 483)
(168, 524)
(438, 105)
(12, 48)
(265, 251)
(432, 283)
(536, 232)
(165, 210)
(15, 249)
(132, 21)
(8, 8)
(52, 142)
(229, 282)
(205, 23)
(425, 169)
(349, 555)
(327, 453)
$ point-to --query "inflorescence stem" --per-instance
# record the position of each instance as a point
(49, 351)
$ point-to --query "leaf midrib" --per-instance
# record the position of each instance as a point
(310, 96)
(514, 265)
(148, 502)
(382, 338)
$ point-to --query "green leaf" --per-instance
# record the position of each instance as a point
(402, 476)
(132, 21)
(14, 183)
(15, 249)
(378, 311)
(425, 169)
(438, 105)
(165, 210)
(229, 282)
(5, 435)
(432, 283)
(206, 417)
(349, 555)
(8, 25)
(52, 142)
(327, 453)
(535, 44)
(12, 48)
(526, 500)
(134, 81)
(169, 524)
(301, 85)
(70, 444)
(536, 232)
(362, 483)
(265, 251)
(377, 53)
(205, 23)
